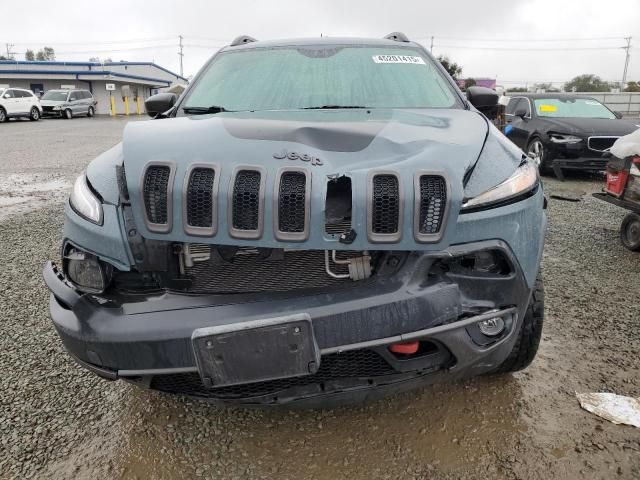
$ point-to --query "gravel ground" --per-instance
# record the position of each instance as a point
(58, 421)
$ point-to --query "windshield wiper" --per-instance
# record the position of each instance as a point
(204, 110)
(333, 107)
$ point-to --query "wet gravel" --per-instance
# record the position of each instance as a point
(58, 421)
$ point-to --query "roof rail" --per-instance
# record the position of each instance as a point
(397, 37)
(242, 39)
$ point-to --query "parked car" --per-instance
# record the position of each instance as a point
(68, 103)
(17, 102)
(564, 130)
(291, 230)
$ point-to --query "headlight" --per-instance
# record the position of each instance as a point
(562, 138)
(84, 202)
(524, 180)
(86, 271)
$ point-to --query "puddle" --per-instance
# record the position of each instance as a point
(20, 193)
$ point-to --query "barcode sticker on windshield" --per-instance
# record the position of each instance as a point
(398, 59)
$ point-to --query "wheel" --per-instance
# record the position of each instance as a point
(630, 232)
(67, 114)
(526, 346)
(537, 150)
(90, 112)
(3, 115)
(34, 114)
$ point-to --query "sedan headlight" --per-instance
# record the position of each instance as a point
(524, 180)
(84, 202)
(563, 138)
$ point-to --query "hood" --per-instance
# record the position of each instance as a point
(51, 103)
(327, 144)
(591, 126)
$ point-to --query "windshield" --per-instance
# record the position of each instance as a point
(321, 76)
(572, 108)
(55, 96)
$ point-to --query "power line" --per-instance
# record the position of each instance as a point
(525, 49)
(111, 42)
(529, 40)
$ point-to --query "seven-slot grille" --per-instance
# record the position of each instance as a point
(385, 210)
(155, 194)
(292, 202)
(291, 205)
(246, 200)
(432, 202)
(200, 200)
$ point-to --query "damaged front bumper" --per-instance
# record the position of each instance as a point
(147, 339)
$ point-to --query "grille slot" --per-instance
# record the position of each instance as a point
(155, 191)
(200, 198)
(350, 364)
(384, 215)
(292, 203)
(338, 206)
(431, 206)
(252, 270)
(246, 202)
(600, 144)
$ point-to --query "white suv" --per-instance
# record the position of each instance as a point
(16, 102)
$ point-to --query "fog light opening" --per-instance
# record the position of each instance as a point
(492, 327)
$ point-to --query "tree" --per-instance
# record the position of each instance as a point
(46, 54)
(29, 55)
(2, 57)
(469, 82)
(453, 68)
(632, 87)
(587, 83)
(547, 87)
(517, 90)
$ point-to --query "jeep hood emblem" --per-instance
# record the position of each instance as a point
(297, 156)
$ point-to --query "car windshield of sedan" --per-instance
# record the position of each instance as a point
(55, 96)
(572, 108)
(317, 77)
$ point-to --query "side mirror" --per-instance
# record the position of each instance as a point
(520, 112)
(617, 114)
(159, 103)
(6, 95)
(484, 99)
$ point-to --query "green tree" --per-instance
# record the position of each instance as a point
(453, 68)
(587, 83)
(469, 82)
(547, 87)
(632, 87)
(29, 55)
(517, 90)
(46, 54)
(2, 57)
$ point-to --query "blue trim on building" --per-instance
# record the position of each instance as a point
(84, 72)
(89, 64)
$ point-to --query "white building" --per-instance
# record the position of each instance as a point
(130, 80)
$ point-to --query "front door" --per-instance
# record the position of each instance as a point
(9, 101)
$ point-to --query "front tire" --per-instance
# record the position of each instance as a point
(34, 115)
(67, 114)
(90, 112)
(3, 115)
(540, 154)
(526, 346)
(630, 232)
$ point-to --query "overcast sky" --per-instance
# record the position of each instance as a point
(515, 41)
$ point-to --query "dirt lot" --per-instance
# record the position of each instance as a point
(58, 421)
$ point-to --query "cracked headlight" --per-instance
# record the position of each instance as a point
(84, 202)
(562, 138)
(523, 181)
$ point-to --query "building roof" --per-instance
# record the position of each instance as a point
(49, 68)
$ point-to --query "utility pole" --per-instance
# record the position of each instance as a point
(9, 52)
(626, 63)
(181, 55)
(431, 49)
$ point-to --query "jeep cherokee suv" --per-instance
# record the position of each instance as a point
(312, 221)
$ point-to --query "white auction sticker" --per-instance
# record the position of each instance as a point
(398, 59)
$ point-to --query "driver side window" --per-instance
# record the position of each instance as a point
(513, 104)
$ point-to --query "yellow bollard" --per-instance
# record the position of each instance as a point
(138, 107)
(113, 105)
(126, 105)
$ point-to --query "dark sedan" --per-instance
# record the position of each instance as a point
(564, 131)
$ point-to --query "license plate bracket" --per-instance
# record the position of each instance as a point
(256, 351)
